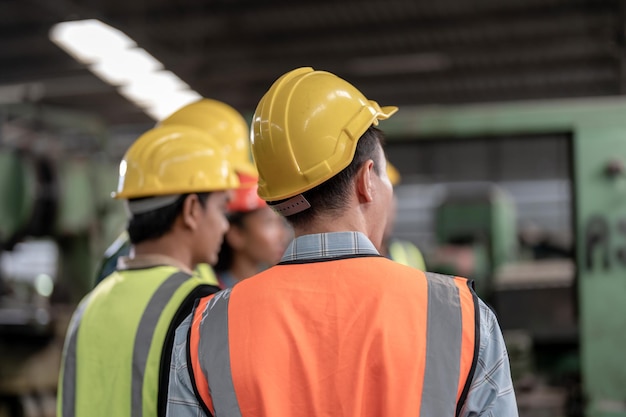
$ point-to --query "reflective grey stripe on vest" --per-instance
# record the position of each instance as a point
(68, 405)
(443, 347)
(215, 357)
(443, 351)
(145, 332)
(143, 343)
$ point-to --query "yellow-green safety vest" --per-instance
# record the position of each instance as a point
(407, 254)
(118, 345)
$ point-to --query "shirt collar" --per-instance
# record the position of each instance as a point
(328, 245)
(149, 261)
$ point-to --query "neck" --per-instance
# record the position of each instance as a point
(166, 246)
(243, 267)
(352, 219)
(344, 221)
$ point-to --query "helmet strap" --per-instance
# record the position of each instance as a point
(292, 206)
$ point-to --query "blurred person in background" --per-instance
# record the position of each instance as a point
(176, 184)
(256, 239)
(401, 251)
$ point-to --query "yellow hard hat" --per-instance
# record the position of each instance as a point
(305, 130)
(393, 174)
(174, 159)
(222, 122)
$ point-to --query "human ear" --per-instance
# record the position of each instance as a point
(191, 211)
(364, 185)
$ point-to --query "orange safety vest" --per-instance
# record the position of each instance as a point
(351, 337)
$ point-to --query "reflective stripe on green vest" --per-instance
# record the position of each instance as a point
(112, 356)
(407, 254)
(207, 274)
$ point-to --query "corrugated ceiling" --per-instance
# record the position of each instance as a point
(397, 52)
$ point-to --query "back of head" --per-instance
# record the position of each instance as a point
(305, 131)
(224, 124)
(164, 165)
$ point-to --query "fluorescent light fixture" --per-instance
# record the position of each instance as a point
(88, 40)
(153, 85)
(116, 59)
(171, 102)
(128, 65)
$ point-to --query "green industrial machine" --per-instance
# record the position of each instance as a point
(56, 216)
(476, 220)
(55, 208)
(591, 287)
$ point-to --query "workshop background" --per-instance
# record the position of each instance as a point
(510, 142)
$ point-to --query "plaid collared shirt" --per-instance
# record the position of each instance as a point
(491, 392)
(328, 245)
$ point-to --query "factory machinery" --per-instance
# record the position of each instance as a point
(528, 280)
(55, 219)
(558, 304)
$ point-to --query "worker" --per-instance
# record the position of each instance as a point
(335, 328)
(176, 183)
(399, 250)
(256, 239)
(227, 126)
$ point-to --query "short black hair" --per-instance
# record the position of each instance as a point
(156, 223)
(331, 195)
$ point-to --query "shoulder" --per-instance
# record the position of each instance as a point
(488, 323)
(491, 391)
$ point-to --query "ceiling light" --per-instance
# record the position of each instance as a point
(116, 59)
(128, 65)
(153, 85)
(88, 40)
(171, 102)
